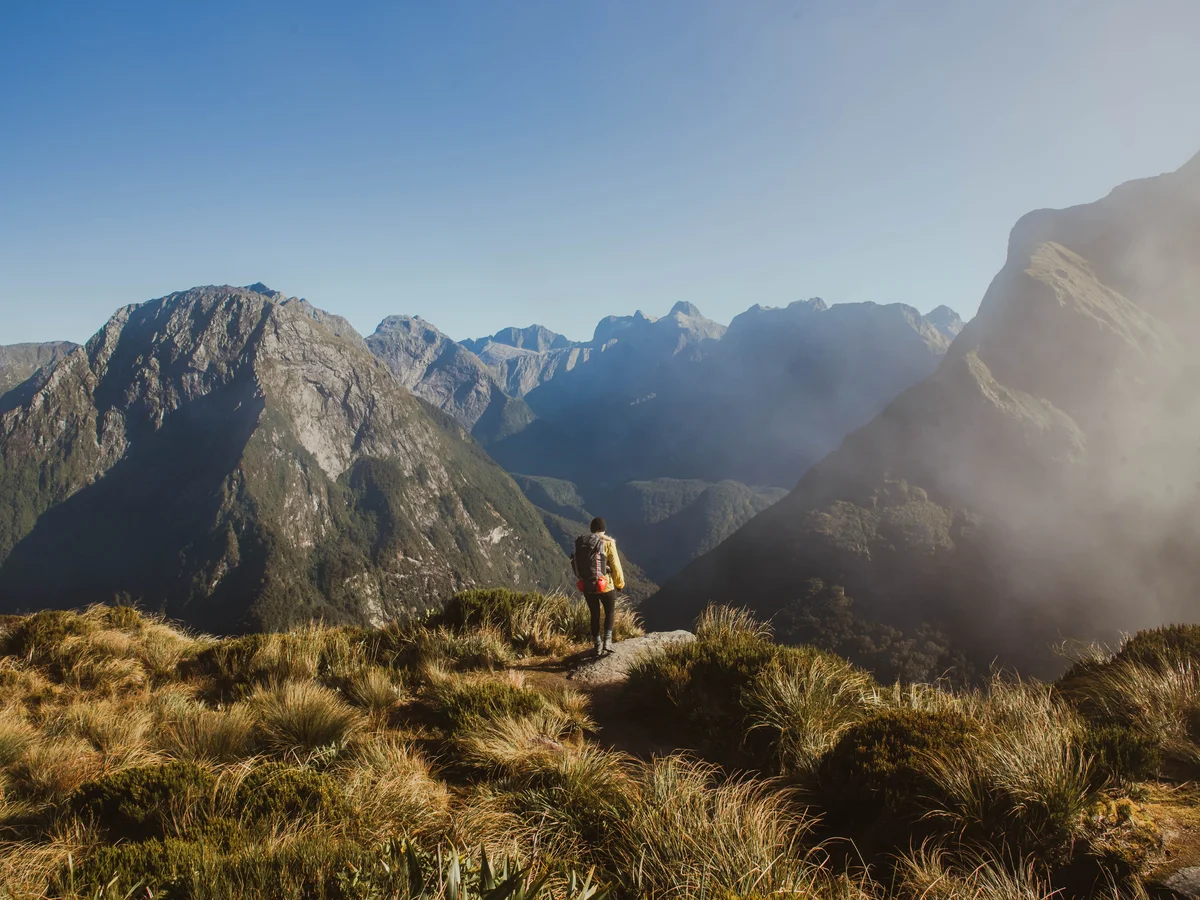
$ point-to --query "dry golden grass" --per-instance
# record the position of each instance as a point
(319, 749)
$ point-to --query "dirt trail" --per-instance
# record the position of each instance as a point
(603, 683)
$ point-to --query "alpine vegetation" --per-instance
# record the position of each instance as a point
(140, 759)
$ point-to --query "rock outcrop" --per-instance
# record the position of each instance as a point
(614, 667)
(239, 461)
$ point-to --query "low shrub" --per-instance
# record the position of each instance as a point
(143, 802)
(1123, 753)
(277, 792)
(877, 774)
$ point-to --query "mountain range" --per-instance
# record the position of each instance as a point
(1043, 482)
(241, 460)
(896, 486)
(679, 429)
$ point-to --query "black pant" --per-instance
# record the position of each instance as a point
(593, 602)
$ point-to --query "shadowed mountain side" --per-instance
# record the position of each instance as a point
(1045, 482)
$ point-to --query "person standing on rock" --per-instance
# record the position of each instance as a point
(598, 568)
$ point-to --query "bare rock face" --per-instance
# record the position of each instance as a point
(241, 461)
(20, 362)
(615, 666)
(1043, 481)
(449, 376)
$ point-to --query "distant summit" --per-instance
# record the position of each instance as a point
(449, 376)
(945, 320)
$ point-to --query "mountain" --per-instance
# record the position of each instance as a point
(757, 403)
(534, 338)
(449, 376)
(19, 362)
(229, 457)
(1044, 481)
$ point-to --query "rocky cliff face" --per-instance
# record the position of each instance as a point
(449, 376)
(229, 457)
(1044, 480)
(19, 362)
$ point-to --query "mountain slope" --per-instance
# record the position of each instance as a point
(449, 376)
(226, 455)
(1044, 481)
(19, 362)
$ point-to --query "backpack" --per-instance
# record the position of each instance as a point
(590, 563)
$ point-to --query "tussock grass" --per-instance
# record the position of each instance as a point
(302, 716)
(197, 733)
(806, 701)
(338, 762)
(691, 831)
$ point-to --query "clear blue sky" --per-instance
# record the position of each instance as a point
(502, 162)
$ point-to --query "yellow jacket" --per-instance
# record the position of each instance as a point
(614, 562)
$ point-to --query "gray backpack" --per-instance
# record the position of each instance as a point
(590, 564)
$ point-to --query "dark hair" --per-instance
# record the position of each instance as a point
(597, 525)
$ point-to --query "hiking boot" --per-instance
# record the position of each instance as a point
(608, 642)
(599, 647)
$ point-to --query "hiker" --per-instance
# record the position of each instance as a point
(598, 568)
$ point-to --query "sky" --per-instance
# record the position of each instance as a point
(503, 162)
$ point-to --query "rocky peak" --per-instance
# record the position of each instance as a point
(535, 338)
(231, 457)
(20, 362)
(684, 308)
(449, 376)
(259, 288)
(945, 320)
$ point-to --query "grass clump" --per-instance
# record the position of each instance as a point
(464, 703)
(531, 622)
(753, 700)
(345, 763)
(299, 717)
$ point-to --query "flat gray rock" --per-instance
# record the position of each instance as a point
(616, 665)
(1184, 883)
